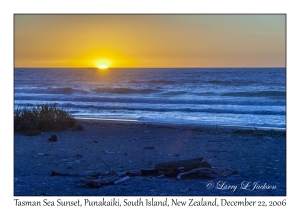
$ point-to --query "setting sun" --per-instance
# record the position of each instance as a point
(102, 66)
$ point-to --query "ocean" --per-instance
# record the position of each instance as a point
(210, 96)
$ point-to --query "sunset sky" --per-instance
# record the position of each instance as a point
(149, 40)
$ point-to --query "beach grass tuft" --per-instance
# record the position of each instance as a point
(39, 118)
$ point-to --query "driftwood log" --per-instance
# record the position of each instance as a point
(56, 173)
(173, 168)
(108, 179)
(198, 173)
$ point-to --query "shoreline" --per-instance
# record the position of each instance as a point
(196, 125)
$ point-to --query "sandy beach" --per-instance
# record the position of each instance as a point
(257, 156)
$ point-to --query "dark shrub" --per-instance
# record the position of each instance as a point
(71, 122)
(42, 118)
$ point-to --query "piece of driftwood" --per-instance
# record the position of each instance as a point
(188, 164)
(101, 181)
(91, 183)
(134, 173)
(173, 168)
(197, 173)
(122, 180)
(55, 173)
(149, 172)
(96, 183)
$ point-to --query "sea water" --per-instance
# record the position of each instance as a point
(213, 96)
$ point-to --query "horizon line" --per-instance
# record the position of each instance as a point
(149, 67)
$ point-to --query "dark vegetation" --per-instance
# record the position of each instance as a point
(40, 118)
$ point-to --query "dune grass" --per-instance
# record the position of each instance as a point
(39, 118)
